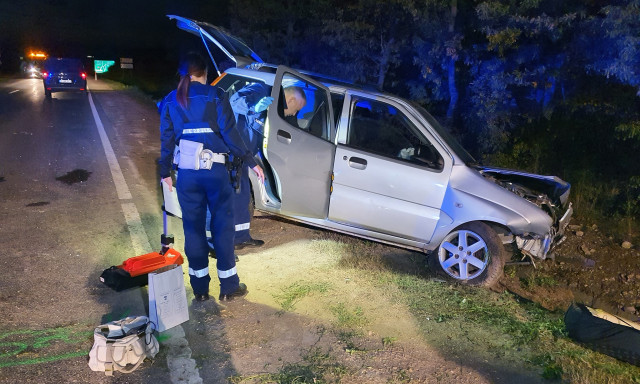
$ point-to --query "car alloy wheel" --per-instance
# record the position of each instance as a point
(471, 254)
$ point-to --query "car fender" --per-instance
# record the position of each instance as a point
(470, 197)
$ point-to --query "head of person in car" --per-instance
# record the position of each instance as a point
(295, 100)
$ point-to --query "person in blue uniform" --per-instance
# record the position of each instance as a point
(249, 104)
(199, 120)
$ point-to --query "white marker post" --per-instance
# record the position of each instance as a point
(95, 74)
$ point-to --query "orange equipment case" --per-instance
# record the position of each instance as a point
(133, 271)
(139, 265)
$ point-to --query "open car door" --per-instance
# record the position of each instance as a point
(300, 147)
(220, 44)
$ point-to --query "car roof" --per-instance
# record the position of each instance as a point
(63, 62)
(267, 73)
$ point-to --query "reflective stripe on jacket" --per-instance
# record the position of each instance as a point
(191, 123)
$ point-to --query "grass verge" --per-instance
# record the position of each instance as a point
(511, 328)
(494, 334)
(482, 325)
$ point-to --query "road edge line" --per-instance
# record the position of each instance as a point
(116, 172)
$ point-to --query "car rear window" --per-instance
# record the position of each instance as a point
(63, 65)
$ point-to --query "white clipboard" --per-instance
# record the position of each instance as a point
(171, 204)
(168, 305)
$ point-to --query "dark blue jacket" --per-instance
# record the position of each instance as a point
(207, 107)
(243, 103)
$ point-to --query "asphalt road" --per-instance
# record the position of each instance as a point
(71, 204)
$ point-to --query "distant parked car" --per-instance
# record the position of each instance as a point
(63, 74)
(374, 165)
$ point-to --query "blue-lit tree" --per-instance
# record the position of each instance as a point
(518, 70)
(368, 37)
(611, 42)
(284, 31)
(437, 48)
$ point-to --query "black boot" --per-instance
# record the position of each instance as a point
(241, 291)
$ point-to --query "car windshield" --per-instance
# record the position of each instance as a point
(446, 136)
(69, 65)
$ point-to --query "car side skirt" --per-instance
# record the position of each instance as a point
(357, 232)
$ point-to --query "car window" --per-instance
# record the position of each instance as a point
(232, 84)
(382, 129)
(310, 109)
(337, 100)
(70, 65)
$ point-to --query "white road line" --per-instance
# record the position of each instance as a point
(182, 368)
(116, 172)
(14, 91)
(139, 237)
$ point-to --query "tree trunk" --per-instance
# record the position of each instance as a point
(290, 37)
(383, 64)
(451, 65)
(453, 91)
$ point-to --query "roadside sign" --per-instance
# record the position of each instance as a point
(126, 63)
(102, 66)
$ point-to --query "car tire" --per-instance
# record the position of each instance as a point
(472, 254)
(47, 94)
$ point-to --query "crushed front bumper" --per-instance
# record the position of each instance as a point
(539, 246)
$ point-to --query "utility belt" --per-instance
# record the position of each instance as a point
(192, 155)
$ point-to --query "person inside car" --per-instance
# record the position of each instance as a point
(295, 100)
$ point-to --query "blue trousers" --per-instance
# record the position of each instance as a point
(241, 216)
(199, 191)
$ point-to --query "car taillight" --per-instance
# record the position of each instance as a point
(84, 75)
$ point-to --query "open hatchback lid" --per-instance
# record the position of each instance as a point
(212, 36)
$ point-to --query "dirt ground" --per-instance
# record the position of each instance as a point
(588, 267)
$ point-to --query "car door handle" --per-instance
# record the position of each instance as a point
(357, 163)
(284, 136)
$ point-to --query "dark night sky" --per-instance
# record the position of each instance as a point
(98, 28)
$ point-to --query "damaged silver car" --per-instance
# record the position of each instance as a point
(376, 166)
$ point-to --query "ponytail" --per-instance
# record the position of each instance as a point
(192, 64)
(183, 90)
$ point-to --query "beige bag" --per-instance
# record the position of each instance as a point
(122, 345)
